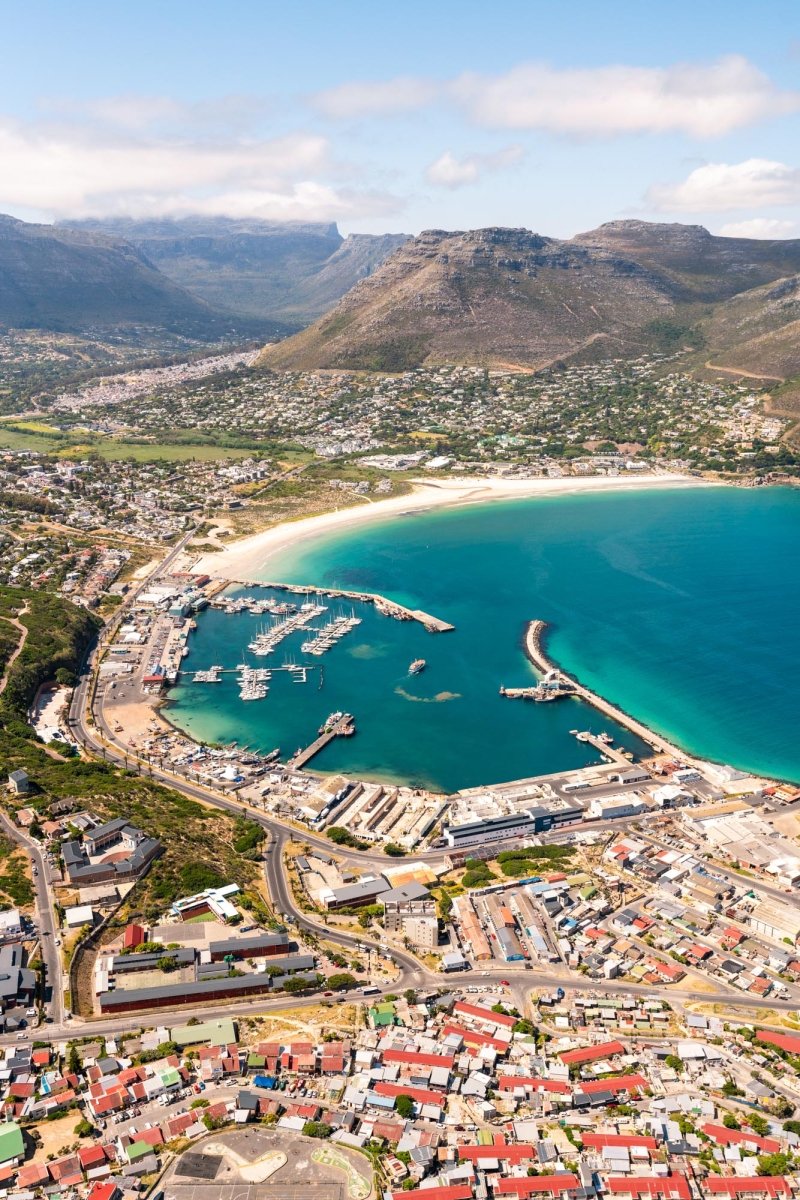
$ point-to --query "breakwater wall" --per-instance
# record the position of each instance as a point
(533, 644)
(389, 608)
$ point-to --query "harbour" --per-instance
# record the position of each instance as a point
(610, 625)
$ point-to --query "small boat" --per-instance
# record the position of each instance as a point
(417, 665)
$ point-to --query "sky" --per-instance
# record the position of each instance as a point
(405, 116)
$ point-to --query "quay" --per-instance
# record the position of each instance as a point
(389, 608)
(605, 748)
(553, 686)
(534, 650)
(344, 727)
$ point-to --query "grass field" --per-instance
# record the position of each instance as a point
(66, 447)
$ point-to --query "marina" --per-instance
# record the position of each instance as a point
(488, 569)
(383, 605)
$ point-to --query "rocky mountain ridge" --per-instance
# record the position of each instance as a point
(510, 297)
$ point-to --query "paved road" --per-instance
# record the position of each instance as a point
(411, 973)
(46, 918)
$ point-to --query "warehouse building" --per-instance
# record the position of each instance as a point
(354, 895)
(204, 990)
(526, 823)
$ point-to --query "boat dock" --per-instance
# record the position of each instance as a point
(534, 636)
(389, 608)
(344, 727)
(553, 686)
(605, 748)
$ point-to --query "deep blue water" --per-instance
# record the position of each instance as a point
(679, 606)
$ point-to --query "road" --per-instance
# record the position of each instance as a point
(100, 738)
(46, 918)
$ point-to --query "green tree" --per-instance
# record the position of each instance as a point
(341, 981)
(317, 1129)
(774, 1164)
(404, 1106)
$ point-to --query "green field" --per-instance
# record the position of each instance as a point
(74, 446)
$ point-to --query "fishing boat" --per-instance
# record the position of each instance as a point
(417, 665)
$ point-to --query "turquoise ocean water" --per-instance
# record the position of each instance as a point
(680, 606)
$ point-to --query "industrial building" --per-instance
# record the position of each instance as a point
(525, 823)
(354, 895)
(202, 990)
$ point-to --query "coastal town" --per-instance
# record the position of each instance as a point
(598, 418)
(578, 984)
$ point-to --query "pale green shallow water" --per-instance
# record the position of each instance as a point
(679, 606)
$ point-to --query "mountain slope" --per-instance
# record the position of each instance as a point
(509, 297)
(758, 331)
(289, 271)
(68, 279)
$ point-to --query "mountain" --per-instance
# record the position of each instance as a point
(57, 278)
(509, 297)
(758, 331)
(288, 271)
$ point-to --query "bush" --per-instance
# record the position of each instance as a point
(343, 837)
(341, 981)
(317, 1129)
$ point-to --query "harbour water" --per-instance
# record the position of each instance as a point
(678, 606)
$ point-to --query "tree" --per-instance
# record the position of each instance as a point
(774, 1164)
(341, 981)
(84, 1128)
(73, 1060)
(297, 985)
(730, 1122)
(758, 1124)
(673, 1061)
(317, 1129)
(404, 1106)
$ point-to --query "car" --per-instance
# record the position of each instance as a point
(21, 1035)
(504, 983)
(327, 993)
(30, 1012)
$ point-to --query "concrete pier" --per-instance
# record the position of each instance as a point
(299, 760)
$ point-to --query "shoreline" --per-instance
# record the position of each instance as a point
(245, 558)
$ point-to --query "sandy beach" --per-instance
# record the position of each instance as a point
(247, 558)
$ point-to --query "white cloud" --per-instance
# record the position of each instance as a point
(721, 187)
(451, 172)
(136, 113)
(759, 227)
(701, 100)
(70, 170)
(403, 94)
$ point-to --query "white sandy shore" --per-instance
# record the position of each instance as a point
(247, 558)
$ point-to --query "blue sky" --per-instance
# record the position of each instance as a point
(406, 116)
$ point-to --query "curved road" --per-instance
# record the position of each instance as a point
(100, 739)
